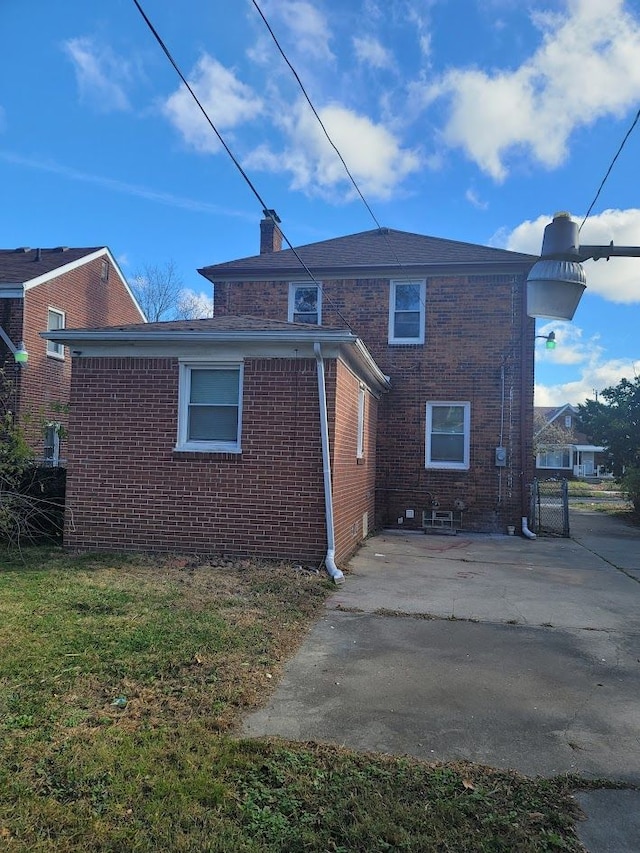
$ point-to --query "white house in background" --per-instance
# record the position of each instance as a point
(567, 452)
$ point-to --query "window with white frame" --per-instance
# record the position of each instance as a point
(406, 312)
(559, 457)
(567, 421)
(52, 444)
(55, 321)
(210, 407)
(360, 433)
(448, 435)
(305, 303)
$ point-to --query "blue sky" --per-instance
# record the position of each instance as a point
(473, 120)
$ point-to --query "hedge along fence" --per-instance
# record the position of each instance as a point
(33, 509)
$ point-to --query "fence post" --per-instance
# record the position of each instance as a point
(565, 508)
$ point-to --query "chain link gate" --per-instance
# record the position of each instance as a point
(550, 507)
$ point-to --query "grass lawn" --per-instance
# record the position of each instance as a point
(121, 679)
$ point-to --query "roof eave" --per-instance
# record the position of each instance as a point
(68, 336)
(297, 273)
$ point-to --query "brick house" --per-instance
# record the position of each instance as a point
(447, 322)
(394, 388)
(44, 289)
(231, 434)
(563, 449)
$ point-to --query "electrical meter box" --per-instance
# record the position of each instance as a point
(501, 457)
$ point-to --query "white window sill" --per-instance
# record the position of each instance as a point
(207, 447)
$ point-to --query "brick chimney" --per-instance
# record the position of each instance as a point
(270, 234)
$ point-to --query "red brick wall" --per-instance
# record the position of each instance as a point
(128, 489)
(86, 301)
(354, 479)
(476, 328)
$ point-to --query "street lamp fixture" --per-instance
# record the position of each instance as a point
(556, 282)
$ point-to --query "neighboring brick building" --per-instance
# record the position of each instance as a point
(207, 435)
(44, 289)
(447, 322)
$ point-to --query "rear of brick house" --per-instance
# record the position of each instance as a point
(447, 322)
(141, 476)
(426, 355)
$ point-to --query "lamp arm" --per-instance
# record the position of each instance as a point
(5, 337)
(596, 253)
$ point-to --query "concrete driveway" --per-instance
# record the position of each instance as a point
(499, 650)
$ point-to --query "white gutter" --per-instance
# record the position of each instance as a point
(330, 565)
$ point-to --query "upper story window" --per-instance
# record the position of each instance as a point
(448, 435)
(55, 321)
(406, 312)
(210, 407)
(567, 421)
(104, 271)
(305, 303)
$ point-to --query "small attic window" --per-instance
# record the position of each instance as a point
(567, 421)
(104, 272)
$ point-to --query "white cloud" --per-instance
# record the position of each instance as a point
(593, 378)
(228, 102)
(100, 74)
(371, 52)
(585, 69)
(373, 154)
(617, 280)
(473, 199)
(308, 27)
(594, 372)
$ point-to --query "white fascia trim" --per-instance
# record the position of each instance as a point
(117, 336)
(11, 291)
(73, 265)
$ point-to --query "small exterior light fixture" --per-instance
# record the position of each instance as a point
(21, 356)
(556, 282)
(550, 340)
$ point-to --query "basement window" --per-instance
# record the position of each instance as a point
(448, 435)
(55, 321)
(210, 407)
(305, 304)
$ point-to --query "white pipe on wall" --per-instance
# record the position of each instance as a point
(332, 570)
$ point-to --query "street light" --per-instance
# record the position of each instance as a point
(557, 281)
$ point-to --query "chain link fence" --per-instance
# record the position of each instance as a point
(550, 507)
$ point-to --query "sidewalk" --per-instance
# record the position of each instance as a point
(494, 649)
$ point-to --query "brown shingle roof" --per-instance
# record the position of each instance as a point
(18, 266)
(223, 324)
(379, 249)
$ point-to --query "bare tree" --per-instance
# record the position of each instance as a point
(193, 306)
(549, 434)
(162, 295)
(157, 289)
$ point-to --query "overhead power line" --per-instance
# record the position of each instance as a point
(608, 172)
(268, 212)
(326, 132)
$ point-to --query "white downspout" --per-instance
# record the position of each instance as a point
(330, 565)
(525, 529)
